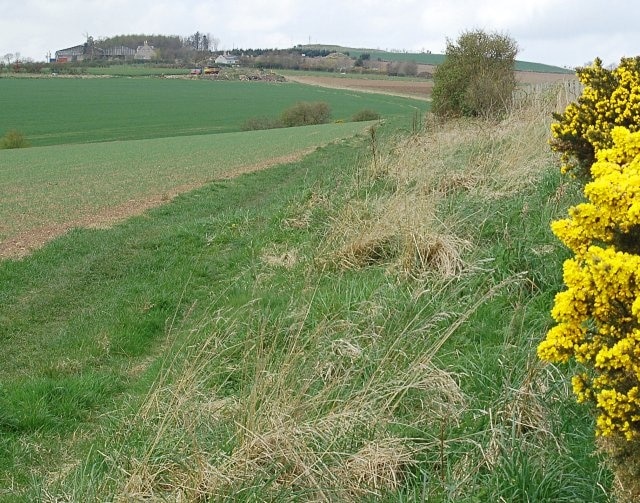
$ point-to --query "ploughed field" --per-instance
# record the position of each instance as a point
(415, 88)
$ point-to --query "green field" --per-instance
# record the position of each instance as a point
(51, 186)
(75, 110)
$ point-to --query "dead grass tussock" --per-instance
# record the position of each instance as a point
(409, 228)
(277, 257)
(378, 465)
(402, 231)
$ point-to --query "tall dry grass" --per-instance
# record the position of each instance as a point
(361, 406)
(411, 225)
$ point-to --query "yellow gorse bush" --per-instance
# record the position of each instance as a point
(598, 315)
(609, 98)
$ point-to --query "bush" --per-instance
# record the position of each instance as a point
(13, 139)
(598, 315)
(610, 98)
(306, 114)
(259, 123)
(477, 77)
(365, 115)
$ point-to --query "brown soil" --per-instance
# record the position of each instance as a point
(417, 89)
(28, 240)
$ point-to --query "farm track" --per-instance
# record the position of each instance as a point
(24, 243)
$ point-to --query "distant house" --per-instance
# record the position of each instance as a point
(227, 59)
(145, 52)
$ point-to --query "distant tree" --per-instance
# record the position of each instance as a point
(410, 68)
(477, 76)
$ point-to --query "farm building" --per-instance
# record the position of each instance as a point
(119, 52)
(76, 53)
(92, 51)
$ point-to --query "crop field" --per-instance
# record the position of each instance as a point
(48, 190)
(75, 110)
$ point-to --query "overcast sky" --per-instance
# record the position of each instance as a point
(559, 32)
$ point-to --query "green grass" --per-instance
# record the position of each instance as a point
(221, 346)
(75, 110)
(49, 186)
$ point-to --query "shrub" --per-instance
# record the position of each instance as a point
(598, 315)
(365, 115)
(258, 123)
(306, 114)
(477, 77)
(610, 98)
(13, 139)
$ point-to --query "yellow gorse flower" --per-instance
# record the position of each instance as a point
(598, 314)
(609, 98)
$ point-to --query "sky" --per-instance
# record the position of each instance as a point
(565, 33)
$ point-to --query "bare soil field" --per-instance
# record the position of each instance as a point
(417, 89)
(543, 78)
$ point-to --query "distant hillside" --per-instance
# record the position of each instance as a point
(427, 58)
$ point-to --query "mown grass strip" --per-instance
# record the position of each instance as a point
(80, 317)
